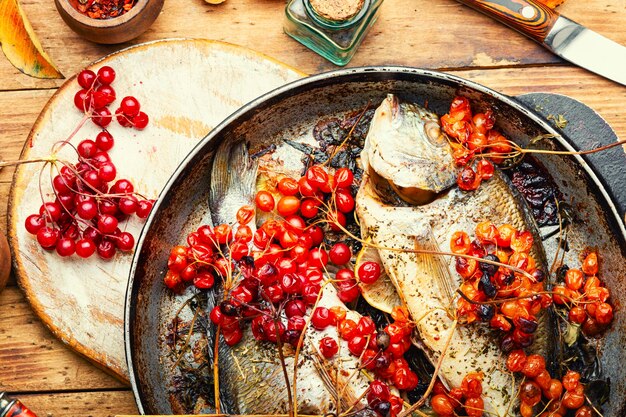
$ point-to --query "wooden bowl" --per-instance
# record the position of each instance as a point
(115, 30)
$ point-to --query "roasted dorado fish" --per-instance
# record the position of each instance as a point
(252, 378)
(406, 158)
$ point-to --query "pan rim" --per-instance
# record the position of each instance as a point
(309, 83)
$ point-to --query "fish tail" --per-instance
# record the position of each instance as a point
(233, 172)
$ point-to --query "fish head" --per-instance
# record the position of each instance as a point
(406, 148)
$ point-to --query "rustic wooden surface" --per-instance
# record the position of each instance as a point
(438, 34)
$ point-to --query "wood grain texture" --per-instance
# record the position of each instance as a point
(91, 404)
(33, 360)
(422, 33)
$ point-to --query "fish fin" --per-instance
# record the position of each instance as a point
(436, 266)
(233, 175)
(329, 375)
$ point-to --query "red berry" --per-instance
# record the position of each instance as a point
(103, 96)
(369, 272)
(316, 176)
(291, 283)
(309, 208)
(128, 205)
(125, 241)
(61, 184)
(344, 200)
(366, 326)
(140, 121)
(83, 100)
(310, 293)
(130, 106)
(107, 207)
(343, 178)
(379, 391)
(232, 337)
(106, 249)
(87, 148)
(145, 206)
(86, 78)
(53, 211)
(329, 347)
(48, 237)
(405, 379)
(204, 280)
(348, 293)
(106, 75)
(340, 254)
(107, 172)
(122, 186)
(85, 248)
(318, 258)
(295, 308)
(216, 315)
(321, 318)
(65, 247)
(104, 141)
(107, 224)
(122, 119)
(33, 223)
(316, 233)
(356, 345)
(102, 117)
(92, 179)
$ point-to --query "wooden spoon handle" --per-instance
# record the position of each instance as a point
(527, 16)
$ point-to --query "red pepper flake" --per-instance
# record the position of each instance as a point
(103, 9)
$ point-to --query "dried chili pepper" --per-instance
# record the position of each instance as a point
(103, 9)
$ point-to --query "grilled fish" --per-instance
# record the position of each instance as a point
(425, 175)
(251, 376)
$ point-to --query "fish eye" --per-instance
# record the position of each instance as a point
(434, 135)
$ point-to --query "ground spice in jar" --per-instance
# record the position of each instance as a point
(103, 9)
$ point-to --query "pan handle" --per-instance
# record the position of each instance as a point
(586, 129)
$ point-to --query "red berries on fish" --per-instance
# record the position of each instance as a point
(478, 146)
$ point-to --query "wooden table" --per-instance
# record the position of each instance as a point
(436, 34)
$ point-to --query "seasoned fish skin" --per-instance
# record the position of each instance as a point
(472, 348)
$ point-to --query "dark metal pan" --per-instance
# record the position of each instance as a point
(592, 184)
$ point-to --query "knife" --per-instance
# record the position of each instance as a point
(564, 37)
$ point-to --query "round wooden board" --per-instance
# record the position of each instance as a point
(187, 87)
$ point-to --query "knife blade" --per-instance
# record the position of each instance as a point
(564, 37)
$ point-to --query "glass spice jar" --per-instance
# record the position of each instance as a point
(332, 28)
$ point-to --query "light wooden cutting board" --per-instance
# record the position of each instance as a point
(187, 87)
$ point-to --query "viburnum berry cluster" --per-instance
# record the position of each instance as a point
(540, 391)
(97, 95)
(585, 297)
(272, 278)
(508, 300)
(380, 351)
(463, 400)
(475, 137)
(89, 203)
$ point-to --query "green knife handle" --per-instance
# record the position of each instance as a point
(527, 16)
